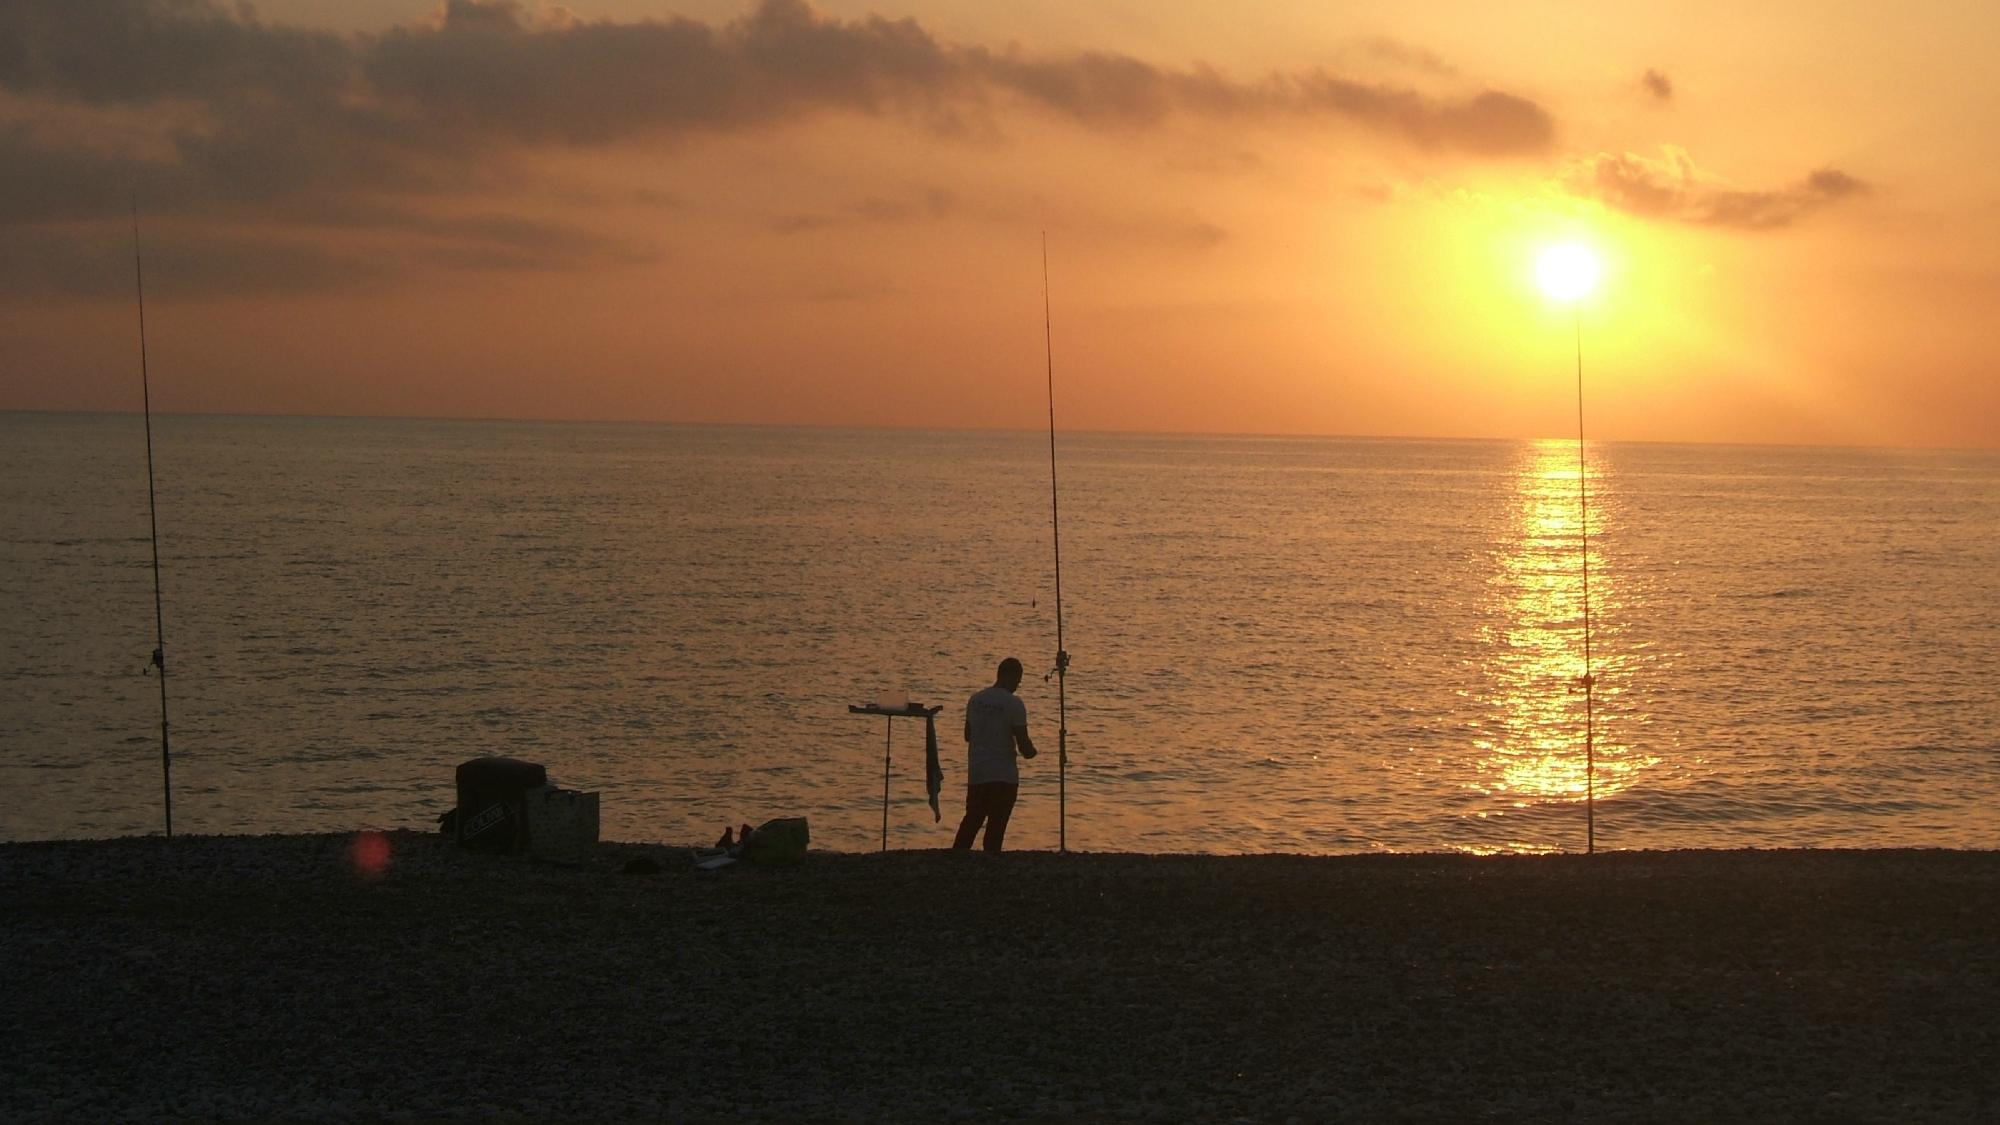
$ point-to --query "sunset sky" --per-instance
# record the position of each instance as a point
(1265, 218)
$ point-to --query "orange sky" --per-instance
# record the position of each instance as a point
(1261, 217)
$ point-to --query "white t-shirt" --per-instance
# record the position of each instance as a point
(990, 718)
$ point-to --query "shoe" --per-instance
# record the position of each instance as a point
(726, 841)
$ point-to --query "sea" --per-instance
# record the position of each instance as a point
(1278, 644)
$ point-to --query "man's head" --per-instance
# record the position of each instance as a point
(1009, 676)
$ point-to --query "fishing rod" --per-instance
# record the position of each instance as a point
(1061, 670)
(1589, 682)
(153, 517)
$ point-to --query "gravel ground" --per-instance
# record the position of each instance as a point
(270, 976)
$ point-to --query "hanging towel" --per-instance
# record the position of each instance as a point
(933, 776)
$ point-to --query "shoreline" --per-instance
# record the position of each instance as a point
(249, 976)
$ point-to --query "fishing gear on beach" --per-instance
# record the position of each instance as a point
(1586, 681)
(1061, 670)
(153, 518)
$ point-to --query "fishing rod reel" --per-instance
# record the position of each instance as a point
(1062, 666)
(1582, 683)
(1062, 729)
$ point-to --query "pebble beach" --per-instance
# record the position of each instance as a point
(393, 976)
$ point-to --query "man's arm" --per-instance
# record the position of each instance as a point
(1023, 743)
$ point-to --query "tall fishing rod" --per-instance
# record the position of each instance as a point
(153, 517)
(1589, 682)
(1061, 670)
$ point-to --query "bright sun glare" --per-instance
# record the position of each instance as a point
(1567, 272)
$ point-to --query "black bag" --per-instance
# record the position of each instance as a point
(492, 807)
(778, 841)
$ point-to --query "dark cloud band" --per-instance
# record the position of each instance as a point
(1673, 189)
(214, 116)
(282, 109)
(218, 117)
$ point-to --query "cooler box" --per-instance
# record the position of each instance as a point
(562, 823)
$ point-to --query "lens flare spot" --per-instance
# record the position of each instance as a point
(370, 854)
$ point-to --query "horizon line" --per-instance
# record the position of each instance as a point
(1192, 434)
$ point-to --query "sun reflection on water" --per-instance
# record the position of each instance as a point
(1530, 745)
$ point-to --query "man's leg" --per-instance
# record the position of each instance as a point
(975, 813)
(999, 806)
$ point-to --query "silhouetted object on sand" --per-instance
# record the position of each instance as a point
(996, 729)
(507, 806)
(153, 521)
(1061, 669)
(893, 707)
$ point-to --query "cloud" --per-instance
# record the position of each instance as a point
(95, 263)
(1408, 55)
(482, 73)
(1673, 189)
(1658, 85)
(874, 210)
(208, 112)
(1491, 123)
(484, 69)
(1117, 91)
(342, 248)
(108, 51)
(491, 240)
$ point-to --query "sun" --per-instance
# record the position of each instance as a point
(1567, 272)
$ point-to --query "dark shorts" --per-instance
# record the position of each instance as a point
(989, 803)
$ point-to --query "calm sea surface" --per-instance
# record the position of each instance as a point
(1279, 644)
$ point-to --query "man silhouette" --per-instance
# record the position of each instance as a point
(996, 724)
